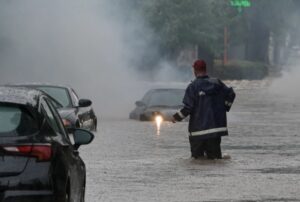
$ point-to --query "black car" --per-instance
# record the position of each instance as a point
(38, 162)
(163, 102)
(75, 112)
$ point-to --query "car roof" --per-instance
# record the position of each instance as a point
(36, 84)
(20, 95)
(163, 90)
(166, 89)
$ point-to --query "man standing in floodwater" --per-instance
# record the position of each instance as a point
(206, 100)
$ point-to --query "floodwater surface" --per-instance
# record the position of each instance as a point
(129, 161)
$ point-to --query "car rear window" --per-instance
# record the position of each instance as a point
(16, 121)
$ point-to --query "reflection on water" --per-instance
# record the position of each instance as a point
(158, 121)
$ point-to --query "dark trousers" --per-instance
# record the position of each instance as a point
(211, 148)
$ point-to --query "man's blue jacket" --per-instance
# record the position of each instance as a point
(206, 100)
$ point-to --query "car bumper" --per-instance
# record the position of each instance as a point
(26, 196)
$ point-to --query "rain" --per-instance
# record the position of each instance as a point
(113, 52)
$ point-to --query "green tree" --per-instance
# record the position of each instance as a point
(265, 18)
(185, 23)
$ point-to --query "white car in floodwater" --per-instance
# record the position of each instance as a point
(162, 102)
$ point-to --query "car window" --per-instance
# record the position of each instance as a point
(74, 97)
(166, 98)
(50, 117)
(16, 121)
(147, 96)
(61, 95)
(57, 118)
(56, 104)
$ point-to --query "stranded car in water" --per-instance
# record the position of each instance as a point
(75, 112)
(158, 102)
(38, 162)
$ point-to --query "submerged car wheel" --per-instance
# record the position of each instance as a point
(143, 117)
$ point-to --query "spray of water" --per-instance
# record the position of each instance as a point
(286, 85)
(84, 44)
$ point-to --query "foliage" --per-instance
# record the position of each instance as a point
(236, 69)
(185, 23)
(181, 24)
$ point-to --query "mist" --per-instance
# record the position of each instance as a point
(287, 83)
(93, 46)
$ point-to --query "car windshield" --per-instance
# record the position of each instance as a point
(61, 95)
(168, 98)
(15, 121)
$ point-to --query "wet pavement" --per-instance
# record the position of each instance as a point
(129, 161)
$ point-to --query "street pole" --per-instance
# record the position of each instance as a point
(225, 55)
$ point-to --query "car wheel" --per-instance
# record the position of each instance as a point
(143, 117)
(95, 125)
(77, 124)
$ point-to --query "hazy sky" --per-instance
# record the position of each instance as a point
(89, 45)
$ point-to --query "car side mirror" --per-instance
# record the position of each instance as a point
(140, 103)
(84, 103)
(82, 137)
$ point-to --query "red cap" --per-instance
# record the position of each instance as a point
(199, 65)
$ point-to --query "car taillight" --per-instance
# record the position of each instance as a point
(41, 152)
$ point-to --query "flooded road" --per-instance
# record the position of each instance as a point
(128, 161)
